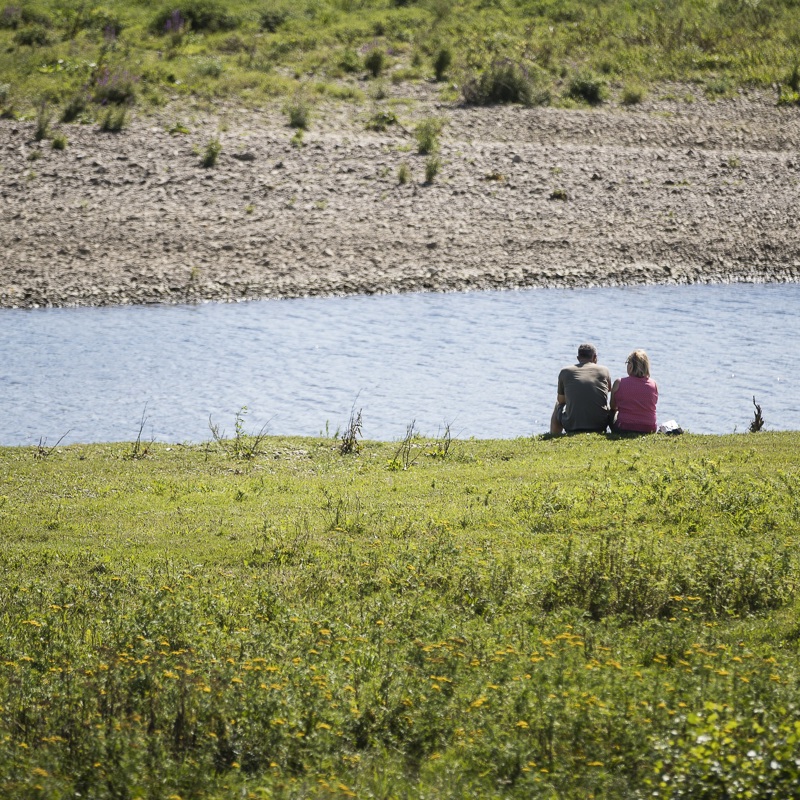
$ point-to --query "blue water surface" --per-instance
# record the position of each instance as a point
(484, 363)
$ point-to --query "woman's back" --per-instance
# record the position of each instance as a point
(635, 400)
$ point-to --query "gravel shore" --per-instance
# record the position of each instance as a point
(667, 191)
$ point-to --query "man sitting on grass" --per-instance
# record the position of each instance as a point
(582, 400)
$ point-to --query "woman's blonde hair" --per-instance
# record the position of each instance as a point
(639, 364)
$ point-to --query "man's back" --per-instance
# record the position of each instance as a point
(585, 386)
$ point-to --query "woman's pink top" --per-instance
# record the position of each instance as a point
(636, 400)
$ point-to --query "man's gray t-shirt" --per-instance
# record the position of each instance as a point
(586, 388)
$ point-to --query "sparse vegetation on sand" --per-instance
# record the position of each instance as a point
(571, 618)
(145, 53)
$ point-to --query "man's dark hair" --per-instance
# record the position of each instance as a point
(586, 352)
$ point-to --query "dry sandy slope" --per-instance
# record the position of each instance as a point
(664, 192)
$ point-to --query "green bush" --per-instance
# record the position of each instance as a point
(114, 120)
(587, 88)
(59, 142)
(43, 119)
(211, 154)
(505, 81)
(198, 15)
(427, 135)
(13, 17)
(432, 167)
(381, 120)
(33, 36)
(442, 63)
(299, 113)
(114, 87)
(349, 61)
(718, 87)
(270, 19)
(75, 107)
(209, 68)
(793, 79)
(375, 62)
(632, 94)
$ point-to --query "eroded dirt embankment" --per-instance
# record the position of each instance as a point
(664, 192)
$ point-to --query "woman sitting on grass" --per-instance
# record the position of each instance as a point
(634, 398)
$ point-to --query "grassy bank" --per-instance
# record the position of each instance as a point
(81, 58)
(533, 618)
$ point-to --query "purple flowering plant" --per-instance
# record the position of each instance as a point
(114, 87)
(175, 26)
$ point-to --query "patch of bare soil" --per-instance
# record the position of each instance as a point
(663, 192)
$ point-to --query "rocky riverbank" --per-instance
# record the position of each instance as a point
(667, 191)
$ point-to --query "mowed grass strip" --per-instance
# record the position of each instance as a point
(530, 618)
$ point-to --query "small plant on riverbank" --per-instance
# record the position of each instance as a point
(139, 450)
(427, 134)
(404, 457)
(633, 94)
(587, 88)
(381, 120)
(114, 87)
(351, 434)
(178, 129)
(441, 447)
(432, 167)
(298, 111)
(506, 81)
(59, 142)
(403, 174)
(442, 62)
(789, 92)
(211, 153)
(243, 445)
(44, 118)
(76, 107)
(757, 422)
(114, 120)
(43, 451)
(375, 62)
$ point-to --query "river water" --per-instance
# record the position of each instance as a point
(484, 363)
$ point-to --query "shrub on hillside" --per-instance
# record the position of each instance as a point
(13, 17)
(442, 62)
(505, 81)
(270, 19)
(374, 62)
(197, 15)
(427, 135)
(587, 88)
(75, 106)
(116, 88)
(33, 36)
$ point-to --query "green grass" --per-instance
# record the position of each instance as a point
(570, 618)
(55, 50)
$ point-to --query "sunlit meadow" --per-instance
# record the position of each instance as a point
(78, 56)
(574, 618)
